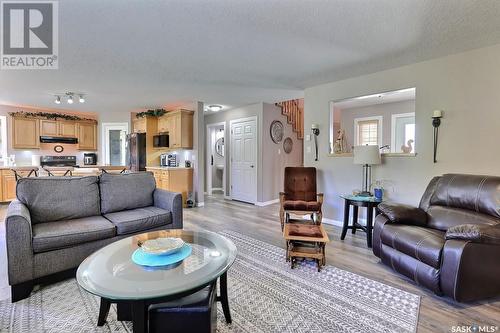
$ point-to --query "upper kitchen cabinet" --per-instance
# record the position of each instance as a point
(87, 136)
(58, 128)
(25, 133)
(179, 125)
(139, 125)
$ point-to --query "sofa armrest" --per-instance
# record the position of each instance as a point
(403, 214)
(475, 233)
(172, 202)
(19, 239)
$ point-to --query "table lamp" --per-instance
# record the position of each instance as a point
(367, 156)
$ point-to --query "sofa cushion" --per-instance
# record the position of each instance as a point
(134, 220)
(59, 198)
(57, 235)
(423, 244)
(126, 191)
(310, 206)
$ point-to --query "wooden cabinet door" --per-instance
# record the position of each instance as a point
(162, 124)
(25, 133)
(175, 128)
(165, 180)
(48, 127)
(8, 187)
(87, 136)
(139, 125)
(67, 129)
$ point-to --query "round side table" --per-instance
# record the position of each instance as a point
(370, 203)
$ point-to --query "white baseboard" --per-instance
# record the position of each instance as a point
(200, 204)
(341, 223)
(227, 197)
(267, 203)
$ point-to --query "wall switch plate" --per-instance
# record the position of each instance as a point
(308, 149)
(308, 137)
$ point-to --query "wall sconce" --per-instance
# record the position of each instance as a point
(436, 121)
(315, 132)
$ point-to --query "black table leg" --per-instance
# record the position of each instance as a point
(369, 226)
(346, 220)
(354, 219)
(124, 311)
(103, 311)
(139, 317)
(223, 297)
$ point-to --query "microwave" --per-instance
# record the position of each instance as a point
(160, 140)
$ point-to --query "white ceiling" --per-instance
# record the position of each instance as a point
(134, 54)
(380, 98)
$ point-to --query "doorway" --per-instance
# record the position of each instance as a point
(216, 159)
(243, 159)
(114, 143)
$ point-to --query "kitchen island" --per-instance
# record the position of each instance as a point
(174, 179)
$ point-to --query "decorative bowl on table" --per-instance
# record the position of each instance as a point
(162, 246)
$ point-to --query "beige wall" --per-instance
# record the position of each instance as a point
(270, 164)
(466, 86)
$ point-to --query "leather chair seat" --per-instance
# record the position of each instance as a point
(193, 313)
(423, 244)
(309, 206)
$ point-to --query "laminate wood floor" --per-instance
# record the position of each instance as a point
(436, 314)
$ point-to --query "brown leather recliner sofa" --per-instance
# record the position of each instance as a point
(451, 242)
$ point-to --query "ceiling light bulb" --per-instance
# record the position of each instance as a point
(58, 100)
(70, 99)
(214, 108)
(82, 99)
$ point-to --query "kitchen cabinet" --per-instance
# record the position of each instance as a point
(87, 136)
(178, 180)
(58, 128)
(139, 125)
(179, 124)
(8, 183)
(25, 133)
(163, 124)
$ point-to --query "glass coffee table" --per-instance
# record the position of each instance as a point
(111, 274)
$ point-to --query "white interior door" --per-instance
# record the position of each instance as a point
(114, 143)
(244, 160)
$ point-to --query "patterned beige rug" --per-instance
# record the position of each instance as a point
(265, 296)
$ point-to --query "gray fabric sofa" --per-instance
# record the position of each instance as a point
(56, 222)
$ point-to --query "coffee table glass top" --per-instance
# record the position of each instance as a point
(111, 273)
(360, 198)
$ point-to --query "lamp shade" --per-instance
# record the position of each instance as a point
(366, 155)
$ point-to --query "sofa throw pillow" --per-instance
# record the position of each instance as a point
(126, 191)
(59, 198)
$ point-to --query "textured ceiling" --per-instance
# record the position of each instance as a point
(134, 54)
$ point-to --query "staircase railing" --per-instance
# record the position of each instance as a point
(294, 112)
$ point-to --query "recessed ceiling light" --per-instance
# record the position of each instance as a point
(215, 107)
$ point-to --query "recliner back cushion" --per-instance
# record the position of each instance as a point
(59, 198)
(442, 218)
(126, 191)
(300, 183)
(476, 193)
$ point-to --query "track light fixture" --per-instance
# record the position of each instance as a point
(70, 97)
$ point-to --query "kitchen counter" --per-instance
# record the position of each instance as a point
(167, 168)
(106, 167)
(20, 168)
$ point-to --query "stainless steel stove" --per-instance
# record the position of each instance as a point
(58, 161)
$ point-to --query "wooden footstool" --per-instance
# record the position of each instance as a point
(305, 240)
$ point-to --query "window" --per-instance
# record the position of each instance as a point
(368, 131)
(403, 133)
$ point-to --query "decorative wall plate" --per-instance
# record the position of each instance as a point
(58, 149)
(287, 145)
(277, 131)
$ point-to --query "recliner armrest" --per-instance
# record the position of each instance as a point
(403, 214)
(476, 233)
(172, 202)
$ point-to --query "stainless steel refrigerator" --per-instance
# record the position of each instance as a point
(136, 150)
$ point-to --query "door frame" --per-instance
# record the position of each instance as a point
(231, 122)
(105, 127)
(394, 118)
(208, 169)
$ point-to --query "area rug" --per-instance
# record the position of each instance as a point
(265, 295)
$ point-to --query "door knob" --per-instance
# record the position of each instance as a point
(251, 166)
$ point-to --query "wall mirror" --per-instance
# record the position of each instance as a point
(385, 119)
(219, 147)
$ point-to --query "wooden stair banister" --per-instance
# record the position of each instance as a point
(294, 113)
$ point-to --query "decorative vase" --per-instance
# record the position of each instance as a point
(379, 193)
